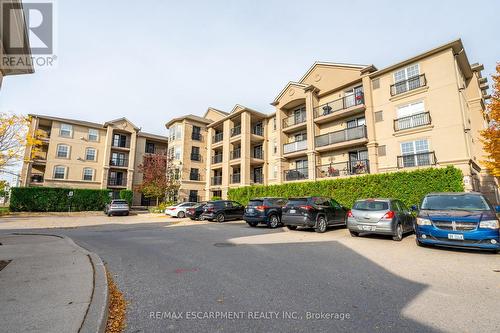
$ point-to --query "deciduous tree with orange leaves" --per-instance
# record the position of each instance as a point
(491, 135)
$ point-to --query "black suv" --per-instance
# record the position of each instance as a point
(264, 210)
(222, 210)
(315, 212)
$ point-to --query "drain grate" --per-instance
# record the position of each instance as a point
(224, 244)
(4, 263)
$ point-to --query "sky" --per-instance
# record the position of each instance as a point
(152, 60)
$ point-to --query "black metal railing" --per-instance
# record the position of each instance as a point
(343, 169)
(196, 157)
(415, 120)
(218, 137)
(409, 84)
(296, 174)
(235, 154)
(216, 180)
(339, 104)
(258, 154)
(236, 178)
(37, 178)
(341, 136)
(415, 160)
(217, 158)
(236, 130)
(117, 182)
(119, 162)
(195, 176)
(294, 120)
(196, 136)
(258, 130)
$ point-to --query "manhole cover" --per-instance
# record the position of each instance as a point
(224, 244)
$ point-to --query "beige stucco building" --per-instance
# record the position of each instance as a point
(81, 154)
(344, 120)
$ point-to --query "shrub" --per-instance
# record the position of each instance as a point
(127, 195)
(51, 199)
(161, 207)
(410, 187)
(214, 198)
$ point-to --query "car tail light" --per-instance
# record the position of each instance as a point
(389, 215)
(261, 208)
(306, 207)
(173, 208)
(349, 214)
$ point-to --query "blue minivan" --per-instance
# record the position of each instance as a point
(465, 220)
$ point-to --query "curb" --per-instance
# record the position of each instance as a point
(97, 313)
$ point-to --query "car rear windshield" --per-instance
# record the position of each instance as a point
(297, 202)
(119, 202)
(371, 205)
(455, 202)
(254, 203)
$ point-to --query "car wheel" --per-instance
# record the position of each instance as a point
(192, 219)
(181, 215)
(354, 233)
(253, 224)
(220, 217)
(398, 236)
(291, 227)
(274, 221)
(321, 225)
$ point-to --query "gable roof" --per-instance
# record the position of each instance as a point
(106, 124)
(189, 117)
(291, 83)
(215, 110)
(331, 64)
(238, 108)
(67, 120)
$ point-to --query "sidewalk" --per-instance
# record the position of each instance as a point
(50, 285)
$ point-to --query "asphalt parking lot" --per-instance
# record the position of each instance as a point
(187, 276)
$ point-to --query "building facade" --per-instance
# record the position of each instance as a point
(344, 120)
(81, 154)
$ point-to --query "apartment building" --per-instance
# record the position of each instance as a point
(81, 154)
(344, 120)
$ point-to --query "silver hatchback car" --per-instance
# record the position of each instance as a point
(380, 216)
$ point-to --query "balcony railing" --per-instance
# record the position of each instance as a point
(37, 178)
(196, 136)
(296, 174)
(415, 120)
(217, 159)
(258, 154)
(294, 146)
(294, 120)
(258, 130)
(216, 180)
(218, 137)
(236, 178)
(341, 136)
(409, 84)
(119, 162)
(117, 182)
(195, 176)
(196, 157)
(339, 104)
(235, 154)
(236, 130)
(414, 160)
(258, 178)
(343, 169)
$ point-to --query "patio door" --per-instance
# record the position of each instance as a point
(358, 161)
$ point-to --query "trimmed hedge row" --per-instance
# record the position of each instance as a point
(51, 199)
(127, 195)
(410, 187)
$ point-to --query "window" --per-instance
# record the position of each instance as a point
(275, 147)
(301, 164)
(175, 132)
(93, 134)
(66, 130)
(194, 174)
(406, 73)
(410, 109)
(90, 154)
(118, 159)
(150, 147)
(300, 136)
(62, 151)
(414, 153)
(59, 172)
(275, 171)
(356, 122)
(411, 115)
(196, 135)
(406, 79)
(119, 140)
(193, 195)
(88, 174)
(274, 123)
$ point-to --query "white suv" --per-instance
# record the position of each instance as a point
(179, 210)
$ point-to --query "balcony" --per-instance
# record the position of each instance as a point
(235, 154)
(196, 157)
(236, 178)
(408, 85)
(415, 120)
(258, 154)
(295, 119)
(36, 178)
(341, 136)
(196, 136)
(39, 157)
(258, 178)
(218, 137)
(236, 130)
(118, 162)
(293, 147)
(296, 174)
(416, 160)
(339, 105)
(258, 130)
(118, 182)
(216, 180)
(195, 176)
(343, 169)
(217, 159)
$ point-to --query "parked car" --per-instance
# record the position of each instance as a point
(380, 216)
(195, 212)
(179, 210)
(222, 210)
(117, 207)
(316, 212)
(264, 210)
(465, 220)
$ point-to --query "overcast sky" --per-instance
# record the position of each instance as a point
(152, 60)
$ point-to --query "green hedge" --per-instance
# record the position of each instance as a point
(51, 199)
(410, 187)
(127, 195)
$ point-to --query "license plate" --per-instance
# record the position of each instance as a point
(369, 228)
(293, 211)
(456, 236)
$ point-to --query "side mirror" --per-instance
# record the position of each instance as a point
(497, 209)
(414, 208)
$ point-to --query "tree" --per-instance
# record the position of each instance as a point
(14, 137)
(159, 177)
(491, 135)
